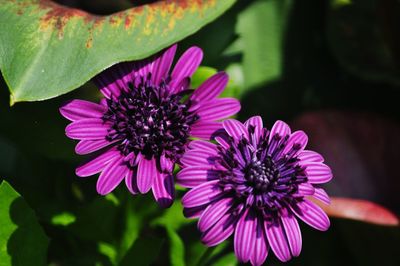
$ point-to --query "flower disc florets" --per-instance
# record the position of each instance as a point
(150, 120)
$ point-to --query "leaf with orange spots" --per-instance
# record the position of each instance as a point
(47, 49)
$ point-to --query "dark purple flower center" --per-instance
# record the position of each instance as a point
(262, 177)
(148, 119)
(261, 174)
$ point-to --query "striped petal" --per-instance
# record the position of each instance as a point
(130, 182)
(320, 194)
(196, 175)
(162, 64)
(218, 109)
(311, 214)
(305, 189)
(310, 156)
(186, 66)
(89, 129)
(205, 129)
(89, 146)
(213, 213)
(245, 236)
(318, 173)
(297, 141)
(220, 231)
(111, 176)
(277, 240)
(261, 247)
(293, 233)
(280, 128)
(98, 163)
(80, 109)
(146, 172)
(202, 194)
(193, 158)
(203, 145)
(256, 123)
(211, 88)
(163, 189)
(235, 129)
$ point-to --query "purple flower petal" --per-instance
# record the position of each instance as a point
(162, 64)
(89, 146)
(202, 194)
(280, 128)
(318, 173)
(218, 108)
(257, 123)
(277, 240)
(235, 129)
(107, 86)
(196, 175)
(220, 231)
(111, 176)
(90, 129)
(213, 213)
(194, 212)
(203, 145)
(130, 181)
(193, 158)
(186, 66)
(146, 172)
(310, 156)
(261, 247)
(205, 129)
(222, 140)
(211, 88)
(320, 194)
(305, 189)
(293, 233)
(297, 138)
(164, 190)
(80, 109)
(114, 79)
(98, 163)
(311, 214)
(245, 236)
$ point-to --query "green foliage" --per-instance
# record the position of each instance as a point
(261, 29)
(22, 240)
(47, 49)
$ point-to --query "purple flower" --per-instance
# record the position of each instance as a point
(148, 116)
(255, 183)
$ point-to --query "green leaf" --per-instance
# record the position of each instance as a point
(261, 28)
(173, 217)
(63, 219)
(177, 248)
(22, 240)
(227, 260)
(47, 49)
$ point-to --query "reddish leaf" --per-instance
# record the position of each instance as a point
(361, 210)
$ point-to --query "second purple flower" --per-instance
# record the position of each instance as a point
(148, 116)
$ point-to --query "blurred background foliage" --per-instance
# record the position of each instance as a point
(330, 68)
